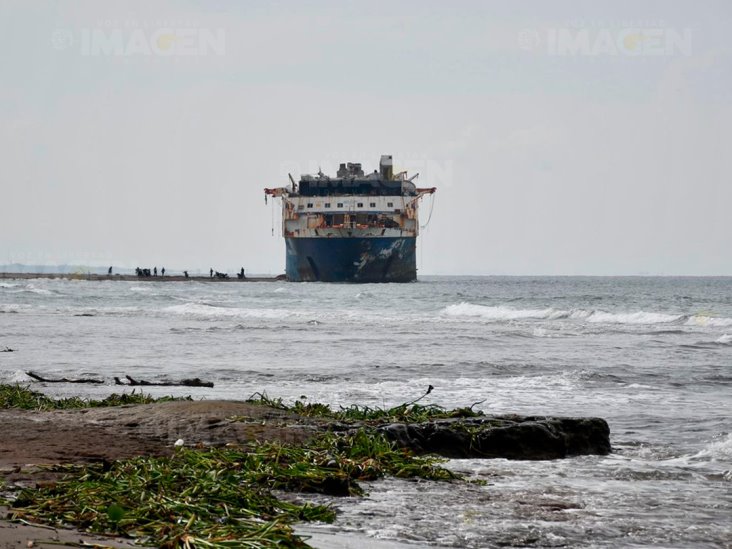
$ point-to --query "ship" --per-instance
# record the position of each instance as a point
(354, 227)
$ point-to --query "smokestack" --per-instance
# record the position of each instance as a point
(386, 168)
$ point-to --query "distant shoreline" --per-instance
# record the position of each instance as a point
(135, 278)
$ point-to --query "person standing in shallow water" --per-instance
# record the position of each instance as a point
(155, 271)
(210, 273)
(162, 271)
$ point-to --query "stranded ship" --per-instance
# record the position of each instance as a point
(354, 227)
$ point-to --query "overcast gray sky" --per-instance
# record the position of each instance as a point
(564, 137)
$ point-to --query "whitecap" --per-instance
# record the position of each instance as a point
(32, 288)
(709, 321)
(725, 339)
(18, 376)
(500, 312)
(639, 317)
(717, 450)
(209, 311)
(503, 313)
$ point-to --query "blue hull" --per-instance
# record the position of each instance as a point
(351, 259)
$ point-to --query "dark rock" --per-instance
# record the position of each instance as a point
(510, 437)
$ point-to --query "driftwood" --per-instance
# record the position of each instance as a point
(62, 380)
(7, 350)
(194, 382)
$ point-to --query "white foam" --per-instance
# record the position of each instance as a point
(717, 450)
(498, 313)
(18, 376)
(7, 285)
(725, 339)
(640, 317)
(709, 321)
(12, 308)
(501, 312)
(201, 310)
(35, 290)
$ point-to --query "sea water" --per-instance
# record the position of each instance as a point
(653, 356)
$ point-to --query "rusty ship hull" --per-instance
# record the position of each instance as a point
(351, 259)
(351, 228)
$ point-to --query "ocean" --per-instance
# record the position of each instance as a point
(651, 355)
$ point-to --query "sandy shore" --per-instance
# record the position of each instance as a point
(32, 440)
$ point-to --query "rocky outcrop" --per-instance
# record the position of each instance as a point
(510, 437)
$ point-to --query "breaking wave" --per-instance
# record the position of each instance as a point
(640, 317)
(499, 313)
(709, 321)
(25, 289)
(200, 310)
(717, 450)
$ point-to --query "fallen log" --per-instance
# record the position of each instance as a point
(7, 350)
(62, 380)
(193, 382)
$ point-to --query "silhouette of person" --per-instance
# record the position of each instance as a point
(155, 271)
(210, 273)
(162, 271)
(109, 271)
(185, 274)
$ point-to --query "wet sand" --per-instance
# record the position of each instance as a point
(32, 440)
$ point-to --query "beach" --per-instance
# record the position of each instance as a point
(32, 441)
(651, 355)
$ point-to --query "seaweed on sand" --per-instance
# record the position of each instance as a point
(19, 396)
(221, 497)
(408, 412)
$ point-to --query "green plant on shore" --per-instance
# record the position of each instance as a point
(409, 412)
(221, 497)
(19, 396)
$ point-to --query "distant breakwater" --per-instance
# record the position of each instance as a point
(135, 278)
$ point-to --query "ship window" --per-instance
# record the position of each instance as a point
(389, 204)
(360, 205)
(300, 207)
(372, 205)
(340, 204)
(310, 204)
(327, 204)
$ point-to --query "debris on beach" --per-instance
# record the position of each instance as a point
(192, 382)
(36, 377)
